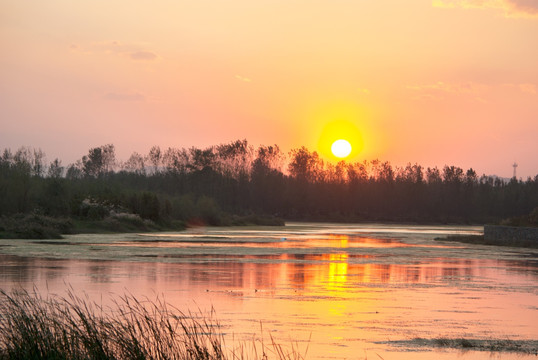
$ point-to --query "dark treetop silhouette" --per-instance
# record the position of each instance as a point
(214, 184)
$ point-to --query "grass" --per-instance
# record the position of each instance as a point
(34, 327)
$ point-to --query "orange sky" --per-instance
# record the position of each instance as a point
(444, 82)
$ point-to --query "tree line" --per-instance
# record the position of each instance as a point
(211, 185)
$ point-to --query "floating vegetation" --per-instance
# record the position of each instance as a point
(494, 345)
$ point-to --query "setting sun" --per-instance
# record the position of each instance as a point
(341, 148)
(340, 139)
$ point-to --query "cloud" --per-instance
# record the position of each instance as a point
(526, 88)
(124, 97)
(143, 55)
(442, 90)
(525, 6)
(110, 47)
(469, 90)
(242, 78)
(511, 8)
(132, 51)
(441, 87)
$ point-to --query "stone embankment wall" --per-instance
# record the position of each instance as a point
(498, 233)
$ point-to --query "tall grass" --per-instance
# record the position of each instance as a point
(36, 327)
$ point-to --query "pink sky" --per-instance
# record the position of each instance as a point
(435, 82)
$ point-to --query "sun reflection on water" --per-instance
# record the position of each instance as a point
(349, 290)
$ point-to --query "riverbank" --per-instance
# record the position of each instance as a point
(484, 240)
(35, 226)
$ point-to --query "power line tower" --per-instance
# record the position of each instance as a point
(515, 167)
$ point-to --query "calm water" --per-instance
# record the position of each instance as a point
(356, 291)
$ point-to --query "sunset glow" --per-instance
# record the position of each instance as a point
(75, 75)
(340, 139)
(297, 168)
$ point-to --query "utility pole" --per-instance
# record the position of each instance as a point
(515, 167)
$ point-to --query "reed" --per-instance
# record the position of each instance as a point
(72, 327)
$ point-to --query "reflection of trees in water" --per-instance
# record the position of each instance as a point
(17, 269)
(333, 272)
(21, 269)
(99, 272)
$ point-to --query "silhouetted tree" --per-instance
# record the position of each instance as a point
(99, 161)
(184, 184)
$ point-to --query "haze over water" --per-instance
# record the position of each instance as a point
(343, 291)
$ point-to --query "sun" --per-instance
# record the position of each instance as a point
(341, 148)
(340, 140)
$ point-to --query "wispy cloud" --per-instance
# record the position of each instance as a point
(471, 90)
(525, 6)
(143, 55)
(242, 78)
(132, 51)
(528, 88)
(124, 97)
(524, 88)
(441, 87)
(511, 8)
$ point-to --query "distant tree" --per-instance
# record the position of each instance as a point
(410, 174)
(135, 164)
(386, 173)
(357, 172)
(99, 161)
(154, 158)
(22, 159)
(56, 169)
(74, 171)
(234, 158)
(109, 157)
(305, 165)
(175, 160)
(433, 175)
(270, 157)
(203, 183)
(38, 162)
(201, 159)
(470, 177)
(452, 174)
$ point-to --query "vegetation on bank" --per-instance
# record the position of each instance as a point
(34, 226)
(72, 328)
(530, 220)
(480, 240)
(234, 183)
(491, 345)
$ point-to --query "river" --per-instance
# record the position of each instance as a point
(334, 290)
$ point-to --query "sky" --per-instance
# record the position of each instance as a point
(442, 82)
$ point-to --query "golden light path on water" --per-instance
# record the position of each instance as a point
(343, 291)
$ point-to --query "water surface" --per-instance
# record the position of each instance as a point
(356, 291)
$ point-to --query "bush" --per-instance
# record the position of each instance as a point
(34, 226)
